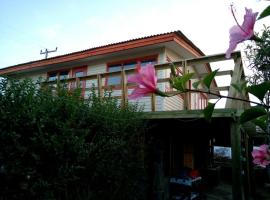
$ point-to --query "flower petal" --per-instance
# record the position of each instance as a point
(249, 21)
(150, 75)
(236, 36)
(264, 148)
(256, 153)
(239, 34)
(138, 92)
(146, 81)
(261, 155)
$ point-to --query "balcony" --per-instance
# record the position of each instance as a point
(186, 101)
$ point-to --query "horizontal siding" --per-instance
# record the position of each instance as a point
(193, 101)
(93, 69)
(35, 77)
(159, 103)
(145, 103)
(96, 69)
(174, 103)
(198, 101)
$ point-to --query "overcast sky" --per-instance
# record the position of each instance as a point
(28, 26)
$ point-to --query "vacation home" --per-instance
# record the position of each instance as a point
(110, 60)
(107, 68)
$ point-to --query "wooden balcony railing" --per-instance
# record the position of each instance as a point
(99, 80)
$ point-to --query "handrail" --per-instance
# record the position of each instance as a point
(100, 78)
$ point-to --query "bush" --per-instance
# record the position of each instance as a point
(54, 145)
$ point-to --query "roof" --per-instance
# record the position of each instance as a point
(176, 36)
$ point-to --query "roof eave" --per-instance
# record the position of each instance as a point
(176, 36)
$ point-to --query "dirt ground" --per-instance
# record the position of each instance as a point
(223, 191)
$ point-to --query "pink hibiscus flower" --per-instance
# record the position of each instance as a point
(239, 33)
(146, 81)
(261, 156)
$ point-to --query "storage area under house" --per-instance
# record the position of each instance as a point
(183, 164)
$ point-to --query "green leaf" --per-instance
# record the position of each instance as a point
(179, 83)
(196, 84)
(240, 87)
(207, 80)
(208, 111)
(259, 90)
(173, 71)
(252, 113)
(265, 13)
(237, 87)
(261, 122)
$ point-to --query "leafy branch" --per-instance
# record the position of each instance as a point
(254, 113)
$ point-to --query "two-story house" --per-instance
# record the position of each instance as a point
(108, 67)
(155, 49)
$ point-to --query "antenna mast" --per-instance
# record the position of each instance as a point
(46, 52)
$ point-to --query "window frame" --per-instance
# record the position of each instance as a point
(80, 69)
(57, 72)
(71, 74)
(122, 63)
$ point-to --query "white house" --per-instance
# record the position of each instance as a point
(155, 49)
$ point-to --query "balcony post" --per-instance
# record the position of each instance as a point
(124, 88)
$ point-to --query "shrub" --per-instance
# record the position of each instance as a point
(54, 145)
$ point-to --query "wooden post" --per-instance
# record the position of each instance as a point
(237, 185)
(124, 88)
(186, 94)
(99, 85)
(251, 170)
(238, 72)
(153, 102)
(77, 82)
(248, 164)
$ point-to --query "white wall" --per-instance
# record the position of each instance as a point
(175, 102)
(100, 66)
(35, 77)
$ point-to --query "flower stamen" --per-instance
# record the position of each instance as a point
(233, 14)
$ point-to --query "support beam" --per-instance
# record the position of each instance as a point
(124, 88)
(186, 94)
(201, 60)
(236, 78)
(99, 86)
(237, 185)
(153, 102)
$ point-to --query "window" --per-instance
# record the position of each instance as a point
(79, 72)
(127, 64)
(65, 74)
(52, 77)
(222, 155)
(114, 80)
(61, 75)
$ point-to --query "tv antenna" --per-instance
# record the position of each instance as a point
(46, 52)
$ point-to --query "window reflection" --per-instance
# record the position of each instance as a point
(125, 65)
(63, 75)
(52, 77)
